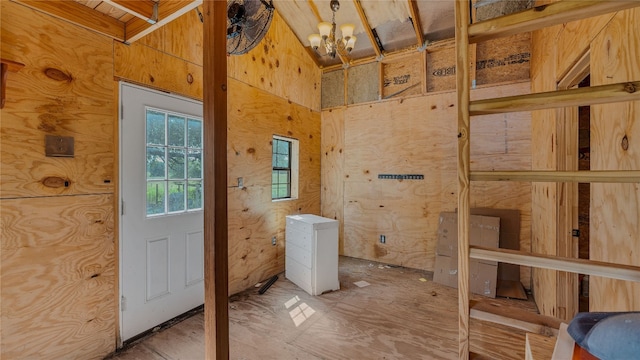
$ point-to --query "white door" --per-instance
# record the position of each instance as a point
(162, 239)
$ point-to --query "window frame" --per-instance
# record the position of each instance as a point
(167, 148)
(294, 149)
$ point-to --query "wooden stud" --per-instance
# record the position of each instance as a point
(603, 94)
(215, 181)
(380, 79)
(168, 11)
(424, 72)
(543, 16)
(367, 28)
(80, 15)
(415, 19)
(593, 176)
(579, 266)
(463, 96)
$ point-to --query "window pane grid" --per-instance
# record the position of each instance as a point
(174, 163)
(281, 169)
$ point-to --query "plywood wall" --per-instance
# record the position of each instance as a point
(273, 90)
(615, 213)
(254, 117)
(414, 136)
(58, 219)
(281, 66)
(57, 260)
(612, 205)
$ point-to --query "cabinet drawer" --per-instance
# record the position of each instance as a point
(299, 225)
(300, 255)
(299, 238)
(298, 274)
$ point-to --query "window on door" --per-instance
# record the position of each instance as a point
(284, 175)
(174, 162)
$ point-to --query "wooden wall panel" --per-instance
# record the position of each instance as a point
(58, 277)
(183, 37)
(544, 140)
(281, 66)
(574, 40)
(57, 261)
(150, 67)
(417, 135)
(254, 219)
(614, 224)
(613, 43)
(332, 169)
(55, 94)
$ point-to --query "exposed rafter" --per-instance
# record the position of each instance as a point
(146, 10)
(168, 11)
(149, 16)
(80, 15)
(367, 28)
(415, 18)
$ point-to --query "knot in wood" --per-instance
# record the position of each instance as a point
(630, 88)
(57, 75)
(625, 143)
(189, 78)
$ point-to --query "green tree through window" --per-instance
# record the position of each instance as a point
(281, 173)
(174, 162)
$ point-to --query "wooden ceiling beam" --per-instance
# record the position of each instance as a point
(146, 10)
(417, 25)
(80, 15)
(367, 28)
(168, 11)
(543, 16)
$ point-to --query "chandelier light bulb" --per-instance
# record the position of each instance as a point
(350, 43)
(347, 31)
(314, 40)
(325, 29)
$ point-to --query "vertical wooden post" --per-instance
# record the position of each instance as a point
(216, 311)
(462, 85)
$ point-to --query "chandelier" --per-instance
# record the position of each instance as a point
(327, 37)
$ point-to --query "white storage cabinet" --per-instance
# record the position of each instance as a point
(312, 253)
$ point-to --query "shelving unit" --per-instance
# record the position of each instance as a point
(530, 20)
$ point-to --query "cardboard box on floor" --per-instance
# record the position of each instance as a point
(509, 284)
(484, 231)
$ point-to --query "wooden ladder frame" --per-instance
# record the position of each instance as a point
(525, 21)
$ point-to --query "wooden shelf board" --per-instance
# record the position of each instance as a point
(603, 94)
(542, 16)
(579, 266)
(593, 176)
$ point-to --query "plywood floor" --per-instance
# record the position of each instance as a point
(397, 316)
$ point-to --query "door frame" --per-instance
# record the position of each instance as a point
(567, 286)
(118, 201)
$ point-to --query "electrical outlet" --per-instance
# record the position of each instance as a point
(273, 241)
(383, 239)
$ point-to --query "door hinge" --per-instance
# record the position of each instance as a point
(123, 303)
(575, 233)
